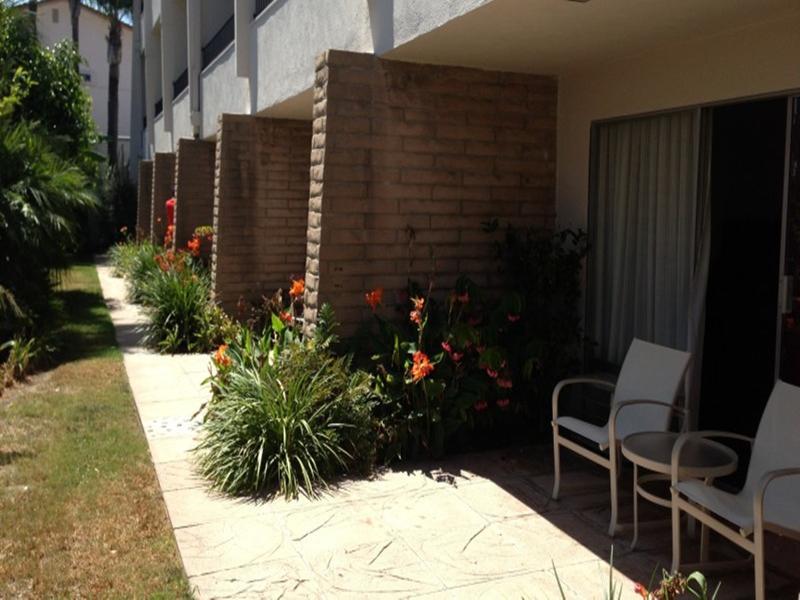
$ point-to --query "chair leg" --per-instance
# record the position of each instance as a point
(635, 506)
(556, 464)
(676, 533)
(758, 559)
(613, 478)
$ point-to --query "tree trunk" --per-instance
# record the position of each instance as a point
(33, 6)
(114, 59)
(75, 16)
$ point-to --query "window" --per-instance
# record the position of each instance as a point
(54, 14)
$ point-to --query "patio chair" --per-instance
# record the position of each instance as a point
(774, 467)
(643, 400)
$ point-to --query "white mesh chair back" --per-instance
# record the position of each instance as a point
(777, 446)
(649, 372)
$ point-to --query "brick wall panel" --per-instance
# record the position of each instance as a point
(163, 189)
(446, 149)
(261, 203)
(144, 200)
(194, 188)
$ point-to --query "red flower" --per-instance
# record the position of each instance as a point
(286, 317)
(506, 384)
(481, 405)
(513, 318)
(297, 289)
(457, 356)
(422, 366)
(193, 245)
(374, 298)
(446, 347)
(641, 590)
(503, 402)
(491, 373)
(419, 303)
(221, 358)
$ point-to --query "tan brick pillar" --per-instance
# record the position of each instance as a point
(194, 188)
(163, 188)
(408, 161)
(144, 200)
(260, 206)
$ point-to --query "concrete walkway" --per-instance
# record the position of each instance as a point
(475, 526)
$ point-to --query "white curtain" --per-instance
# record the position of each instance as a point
(645, 233)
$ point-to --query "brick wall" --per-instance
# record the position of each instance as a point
(163, 186)
(408, 160)
(194, 188)
(260, 206)
(144, 200)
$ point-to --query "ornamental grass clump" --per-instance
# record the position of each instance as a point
(177, 300)
(285, 418)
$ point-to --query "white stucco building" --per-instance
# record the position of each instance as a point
(54, 25)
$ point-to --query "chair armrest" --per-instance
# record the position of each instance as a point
(617, 408)
(761, 489)
(698, 435)
(595, 381)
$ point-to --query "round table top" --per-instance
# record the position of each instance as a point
(700, 458)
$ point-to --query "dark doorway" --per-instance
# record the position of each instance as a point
(747, 180)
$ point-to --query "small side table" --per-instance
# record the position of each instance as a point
(652, 450)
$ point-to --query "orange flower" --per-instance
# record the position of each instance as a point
(374, 298)
(221, 358)
(422, 366)
(286, 317)
(419, 303)
(415, 316)
(297, 289)
(194, 246)
(641, 590)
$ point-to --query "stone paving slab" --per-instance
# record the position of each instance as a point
(474, 526)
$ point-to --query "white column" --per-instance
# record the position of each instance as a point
(150, 75)
(137, 89)
(243, 11)
(168, 24)
(194, 19)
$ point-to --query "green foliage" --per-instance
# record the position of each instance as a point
(544, 269)
(48, 88)
(46, 134)
(175, 290)
(41, 199)
(286, 416)
(22, 354)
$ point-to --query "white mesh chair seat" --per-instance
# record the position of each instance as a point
(595, 433)
(736, 508)
(770, 497)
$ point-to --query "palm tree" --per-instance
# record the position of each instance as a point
(115, 10)
(75, 16)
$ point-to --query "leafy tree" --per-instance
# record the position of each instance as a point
(45, 136)
(56, 99)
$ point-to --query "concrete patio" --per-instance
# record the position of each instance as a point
(473, 526)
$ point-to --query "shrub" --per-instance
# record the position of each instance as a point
(181, 316)
(140, 270)
(285, 417)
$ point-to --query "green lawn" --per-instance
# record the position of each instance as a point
(80, 509)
